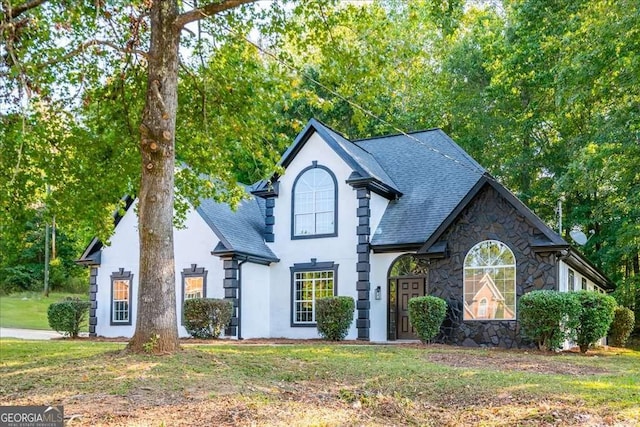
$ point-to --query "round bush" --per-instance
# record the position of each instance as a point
(68, 316)
(622, 326)
(206, 317)
(426, 314)
(548, 318)
(595, 317)
(334, 316)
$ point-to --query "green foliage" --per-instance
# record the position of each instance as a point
(207, 317)
(14, 279)
(22, 247)
(549, 317)
(621, 326)
(68, 316)
(334, 316)
(595, 317)
(426, 314)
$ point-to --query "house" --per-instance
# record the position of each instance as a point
(381, 220)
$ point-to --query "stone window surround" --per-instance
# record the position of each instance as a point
(312, 266)
(514, 283)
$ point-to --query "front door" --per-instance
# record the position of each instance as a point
(407, 288)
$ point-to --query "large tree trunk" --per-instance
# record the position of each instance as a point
(156, 325)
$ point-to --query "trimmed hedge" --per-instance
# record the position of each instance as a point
(426, 314)
(622, 326)
(549, 317)
(595, 317)
(206, 317)
(334, 316)
(68, 316)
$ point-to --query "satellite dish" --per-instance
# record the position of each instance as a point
(578, 236)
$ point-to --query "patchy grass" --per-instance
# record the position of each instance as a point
(322, 384)
(28, 310)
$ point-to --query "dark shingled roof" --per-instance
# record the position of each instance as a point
(433, 173)
(362, 157)
(241, 231)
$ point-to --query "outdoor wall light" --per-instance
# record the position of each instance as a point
(378, 293)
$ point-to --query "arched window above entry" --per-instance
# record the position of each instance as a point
(490, 282)
(314, 203)
(408, 265)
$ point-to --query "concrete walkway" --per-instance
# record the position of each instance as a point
(28, 334)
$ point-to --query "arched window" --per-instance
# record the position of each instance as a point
(490, 282)
(314, 203)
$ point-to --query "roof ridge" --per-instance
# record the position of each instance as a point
(398, 134)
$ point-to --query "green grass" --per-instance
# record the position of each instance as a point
(319, 384)
(28, 310)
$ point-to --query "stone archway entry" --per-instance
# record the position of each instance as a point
(407, 279)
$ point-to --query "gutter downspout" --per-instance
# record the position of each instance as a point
(240, 296)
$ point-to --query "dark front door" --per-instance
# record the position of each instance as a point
(408, 287)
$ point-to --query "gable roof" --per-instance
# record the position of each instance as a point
(92, 253)
(432, 172)
(554, 241)
(241, 231)
(365, 166)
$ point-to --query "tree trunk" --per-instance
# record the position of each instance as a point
(156, 322)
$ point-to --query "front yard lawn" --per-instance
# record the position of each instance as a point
(28, 310)
(322, 384)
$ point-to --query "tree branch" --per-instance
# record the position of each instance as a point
(84, 46)
(208, 10)
(14, 12)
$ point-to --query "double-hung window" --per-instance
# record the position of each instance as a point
(309, 284)
(121, 297)
(194, 283)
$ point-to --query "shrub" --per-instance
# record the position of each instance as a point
(15, 279)
(595, 317)
(68, 316)
(207, 317)
(548, 317)
(622, 326)
(426, 314)
(334, 316)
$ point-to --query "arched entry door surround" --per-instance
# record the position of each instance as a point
(407, 278)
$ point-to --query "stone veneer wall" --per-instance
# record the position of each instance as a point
(488, 217)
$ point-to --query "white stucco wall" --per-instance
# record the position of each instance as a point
(341, 249)
(564, 279)
(377, 205)
(123, 252)
(193, 246)
(380, 264)
(255, 315)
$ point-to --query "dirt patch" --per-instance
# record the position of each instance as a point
(520, 361)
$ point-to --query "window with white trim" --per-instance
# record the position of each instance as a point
(310, 282)
(490, 282)
(314, 203)
(121, 297)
